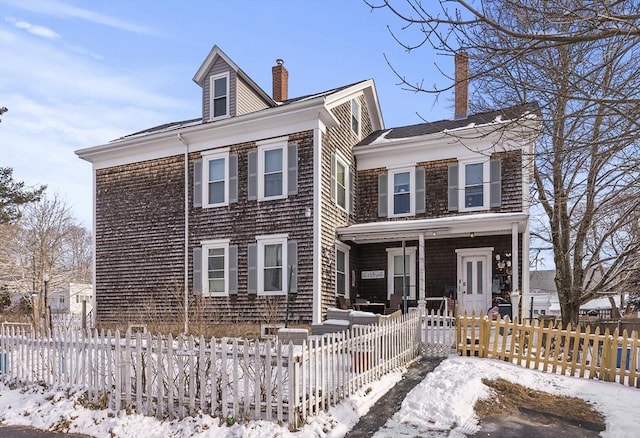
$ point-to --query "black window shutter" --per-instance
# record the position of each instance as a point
(495, 196)
(453, 187)
(382, 195)
(233, 178)
(333, 176)
(420, 194)
(233, 270)
(252, 166)
(197, 183)
(197, 270)
(292, 273)
(292, 164)
(351, 193)
(252, 269)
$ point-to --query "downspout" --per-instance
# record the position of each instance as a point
(186, 232)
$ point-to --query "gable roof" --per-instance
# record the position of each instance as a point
(503, 115)
(215, 53)
(171, 126)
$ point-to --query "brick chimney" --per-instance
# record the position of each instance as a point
(462, 85)
(280, 81)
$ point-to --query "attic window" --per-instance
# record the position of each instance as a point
(219, 96)
(355, 117)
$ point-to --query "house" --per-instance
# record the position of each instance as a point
(546, 301)
(268, 207)
(68, 298)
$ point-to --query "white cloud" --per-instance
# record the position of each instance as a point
(33, 29)
(62, 10)
(60, 101)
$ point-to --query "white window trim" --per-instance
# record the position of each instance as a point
(345, 249)
(279, 143)
(206, 246)
(212, 97)
(270, 240)
(486, 184)
(411, 252)
(355, 102)
(347, 170)
(205, 178)
(412, 189)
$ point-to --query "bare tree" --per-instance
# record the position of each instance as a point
(46, 240)
(578, 60)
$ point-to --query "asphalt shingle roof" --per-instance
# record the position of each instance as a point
(421, 129)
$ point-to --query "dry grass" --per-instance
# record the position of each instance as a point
(509, 398)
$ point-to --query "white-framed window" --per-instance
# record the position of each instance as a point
(272, 264)
(216, 178)
(219, 91)
(342, 269)
(341, 188)
(355, 117)
(272, 169)
(401, 192)
(215, 267)
(401, 267)
(474, 183)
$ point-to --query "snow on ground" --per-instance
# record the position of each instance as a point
(442, 405)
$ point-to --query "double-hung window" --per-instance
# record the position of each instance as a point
(272, 265)
(342, 270)
(355, 117)
(402, 272)
(475, 185)
(219, 96)
(272, 170)
(215, 267)
(341, 183)
(401, 192)
(216, 177)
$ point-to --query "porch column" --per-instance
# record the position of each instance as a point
(515, 271)
(421, 275)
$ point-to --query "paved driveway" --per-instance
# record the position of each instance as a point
(7, 431)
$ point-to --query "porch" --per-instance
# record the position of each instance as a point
(455, 264)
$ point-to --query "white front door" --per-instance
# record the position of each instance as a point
(474, 272)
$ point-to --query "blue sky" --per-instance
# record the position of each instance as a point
(76, 74)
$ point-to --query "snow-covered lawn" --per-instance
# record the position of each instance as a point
(442, 402)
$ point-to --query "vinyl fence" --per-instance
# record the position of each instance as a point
(604, 355)
(232, 379)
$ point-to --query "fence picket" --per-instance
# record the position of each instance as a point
(170, 378)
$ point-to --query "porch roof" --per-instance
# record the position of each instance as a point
(484, 224)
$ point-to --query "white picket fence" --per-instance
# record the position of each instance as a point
(227, 378)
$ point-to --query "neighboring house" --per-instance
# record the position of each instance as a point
(546, 301)
(543, 290)
(69, 297)
(266, 199)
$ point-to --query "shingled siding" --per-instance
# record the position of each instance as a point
(339, 138)
(436, 185)
(139, 240)
(242, 222)
(440, 263)
(512, 168)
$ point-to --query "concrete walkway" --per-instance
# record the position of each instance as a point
(390, 403)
